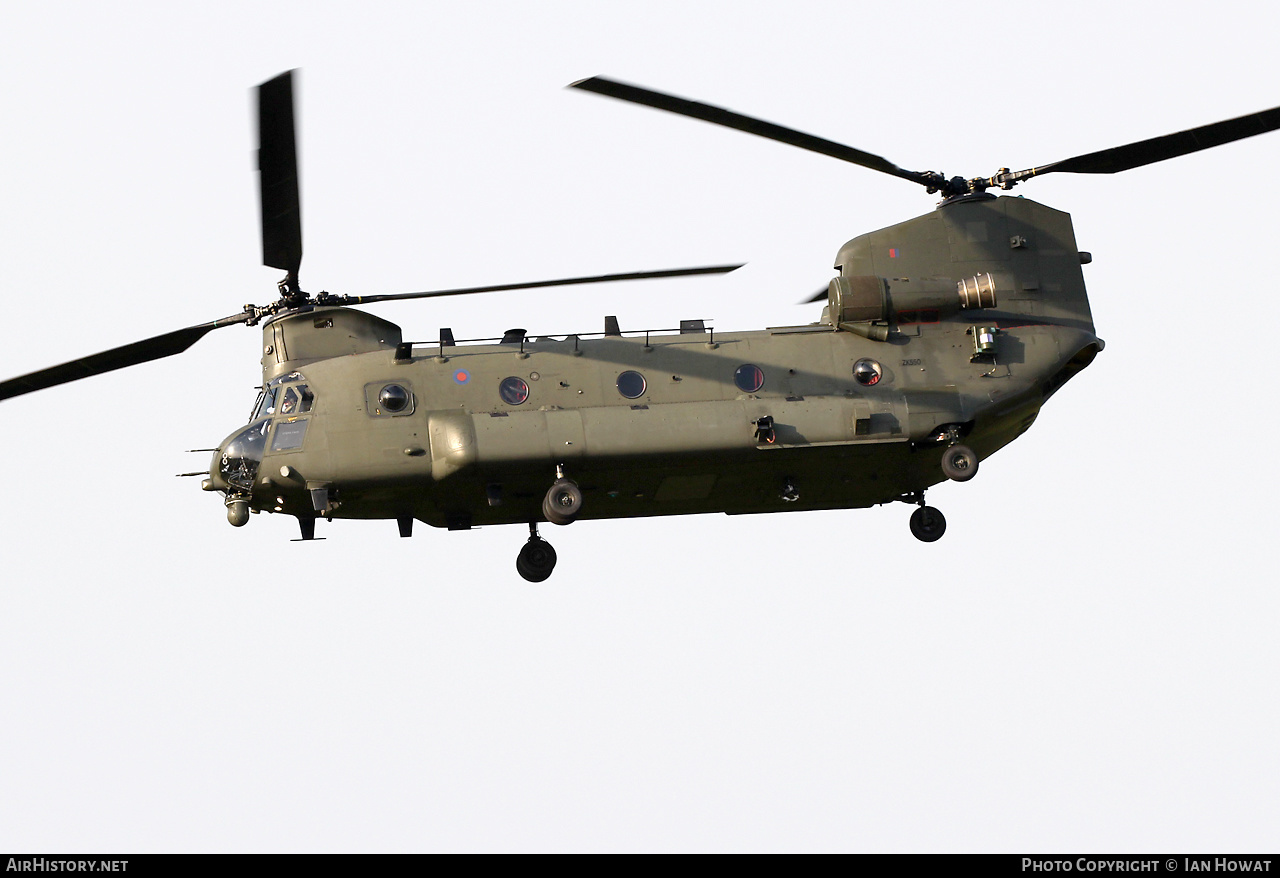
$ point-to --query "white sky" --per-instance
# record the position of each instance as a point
(1086, 661)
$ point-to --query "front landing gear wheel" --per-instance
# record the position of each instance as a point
(959, 463)
(562, 503)
(928, 524)
(536, 560)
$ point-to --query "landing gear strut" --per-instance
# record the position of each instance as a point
(536, 559)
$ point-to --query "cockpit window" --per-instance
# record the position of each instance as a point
(295, 399)
(266, 406)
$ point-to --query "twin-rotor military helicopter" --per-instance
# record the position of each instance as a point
(940, 340)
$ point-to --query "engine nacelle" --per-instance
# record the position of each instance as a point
(866, 304)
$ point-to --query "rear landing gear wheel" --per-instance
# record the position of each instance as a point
(562, 503)
(536, 560)
(959, 463)
(928, 524)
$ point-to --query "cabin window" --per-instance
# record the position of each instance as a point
(867, 372)
(631, 384)
(513, 390)
(393, 398)
(388, 399)
(748, 378)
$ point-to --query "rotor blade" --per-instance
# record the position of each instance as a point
(819, 296)
(719, 116)
(565, 282)
(1157, 149)
(278, 175)
(144, 351)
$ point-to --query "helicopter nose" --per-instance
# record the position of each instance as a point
(216, 482)
(235, 465)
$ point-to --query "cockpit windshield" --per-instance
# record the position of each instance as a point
(295, 399)
(266, 405)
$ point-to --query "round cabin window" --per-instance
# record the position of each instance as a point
(631, 384)
(513, 390)
(393, 398)
(867, 372)
(749, 378)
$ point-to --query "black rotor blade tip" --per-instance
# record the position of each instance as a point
(278, 175)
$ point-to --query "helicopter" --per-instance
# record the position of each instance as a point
(940, 339)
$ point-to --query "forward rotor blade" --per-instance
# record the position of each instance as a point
(278, 180)
(144, 351)
(565, 282)
(719, 116)
(1157, 149)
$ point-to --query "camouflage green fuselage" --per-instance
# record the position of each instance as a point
(691, 441)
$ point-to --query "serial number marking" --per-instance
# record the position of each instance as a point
(912, 362)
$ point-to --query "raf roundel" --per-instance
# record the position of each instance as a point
(461, 376)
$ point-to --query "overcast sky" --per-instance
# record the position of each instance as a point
(1086, 661)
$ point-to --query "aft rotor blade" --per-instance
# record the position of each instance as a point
(816, 297)
(1158, 149)
(144, 351)
(564, 282)
(720, 116)
(278, 176)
